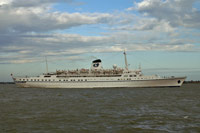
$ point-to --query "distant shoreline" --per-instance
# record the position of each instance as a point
(7, 83)
(185, 82)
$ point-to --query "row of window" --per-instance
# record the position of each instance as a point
(50, 80)
(70, 80)
(130, 75)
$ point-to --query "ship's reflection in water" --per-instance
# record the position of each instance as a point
(100, 110)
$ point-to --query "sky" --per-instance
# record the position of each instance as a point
(163, 36)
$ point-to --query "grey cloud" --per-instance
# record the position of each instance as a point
(33, 48)
(21, 16)
(22, 20)
(176, 12)
(28, 32)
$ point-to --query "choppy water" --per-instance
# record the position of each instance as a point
(100, 110)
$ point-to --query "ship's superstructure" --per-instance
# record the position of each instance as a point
(97, 77)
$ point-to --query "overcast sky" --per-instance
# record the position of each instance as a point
(161, 35)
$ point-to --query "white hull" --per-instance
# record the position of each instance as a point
(163, 82)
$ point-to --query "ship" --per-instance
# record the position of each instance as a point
(98, 77)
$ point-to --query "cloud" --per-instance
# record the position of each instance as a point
(23, 20)
(31, 3)
(176, 12)
(147, 24)
(30, 30)
(67, 45)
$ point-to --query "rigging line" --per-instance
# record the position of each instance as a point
(26, 68)
(153, 64)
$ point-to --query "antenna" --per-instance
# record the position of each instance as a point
(46, 64)
(126, 63)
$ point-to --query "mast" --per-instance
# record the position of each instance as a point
(46, 65)
(126, 63)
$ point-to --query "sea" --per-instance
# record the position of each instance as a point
(116, 110)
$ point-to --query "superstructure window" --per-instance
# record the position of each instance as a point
(47, 76)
